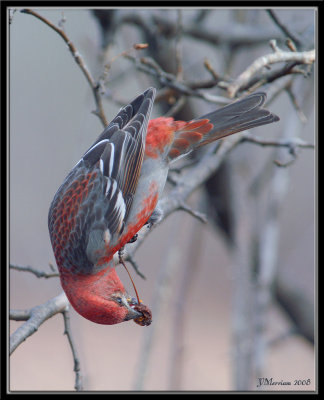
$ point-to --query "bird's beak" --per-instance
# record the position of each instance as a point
(132, 313)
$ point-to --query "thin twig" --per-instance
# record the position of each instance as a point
(283, 27)
(210, 69)
(67, 331)
(236, 34)
(79, 60)
(108, 65)
(177, 106)
(131, 260)
(196, 214)
(289, 143)
(36, 272)
(149, 66)
(294, 101)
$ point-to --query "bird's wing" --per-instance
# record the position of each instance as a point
(119, 150)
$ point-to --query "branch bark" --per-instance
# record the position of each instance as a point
(306, 57)
(34, 318)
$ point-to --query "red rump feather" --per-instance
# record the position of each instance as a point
(177, 137)
(188, 136)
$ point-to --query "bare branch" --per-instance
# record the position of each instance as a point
(236, 35)
(177, 106)
(135, 266)
(36, 317)
(178, 50)
(289, 143)
(196, 214)
(306, 57)
(294, 101)
(79, 60)
(208, 66)
(67, 331)
(148, 65)
(182, 306)
(36, 272)
(19, 315)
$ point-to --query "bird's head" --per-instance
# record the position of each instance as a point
(102, 298)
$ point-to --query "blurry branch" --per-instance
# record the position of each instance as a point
(107, 66)
(106, 19)
(265, 241)
(149, 66)
(190, 269)
(263, 260)
(201, 16)
(95, 87)
(147, 28)
(283, 27)
(38, 273)
(236, 34)
(167, 271)
(35, 317)
(297, 307)
(289, 143)
(306, 57)
(177, 106)
(178, 50)
(242, 312)
(210, 69)
(135, 266)
(295, 103)
(196, 214)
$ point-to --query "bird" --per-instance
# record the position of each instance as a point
(113, 191)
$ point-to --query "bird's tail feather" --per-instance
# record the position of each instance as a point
(243, 114)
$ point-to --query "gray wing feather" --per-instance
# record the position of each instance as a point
(119, 152)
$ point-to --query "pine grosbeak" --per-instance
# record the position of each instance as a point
(112, 192)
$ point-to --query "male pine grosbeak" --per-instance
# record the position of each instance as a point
(114, 189)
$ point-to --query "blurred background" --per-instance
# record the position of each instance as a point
(222, 317)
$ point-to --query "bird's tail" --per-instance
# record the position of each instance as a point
(243, 114)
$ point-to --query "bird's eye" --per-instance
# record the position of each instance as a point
(119, 300)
